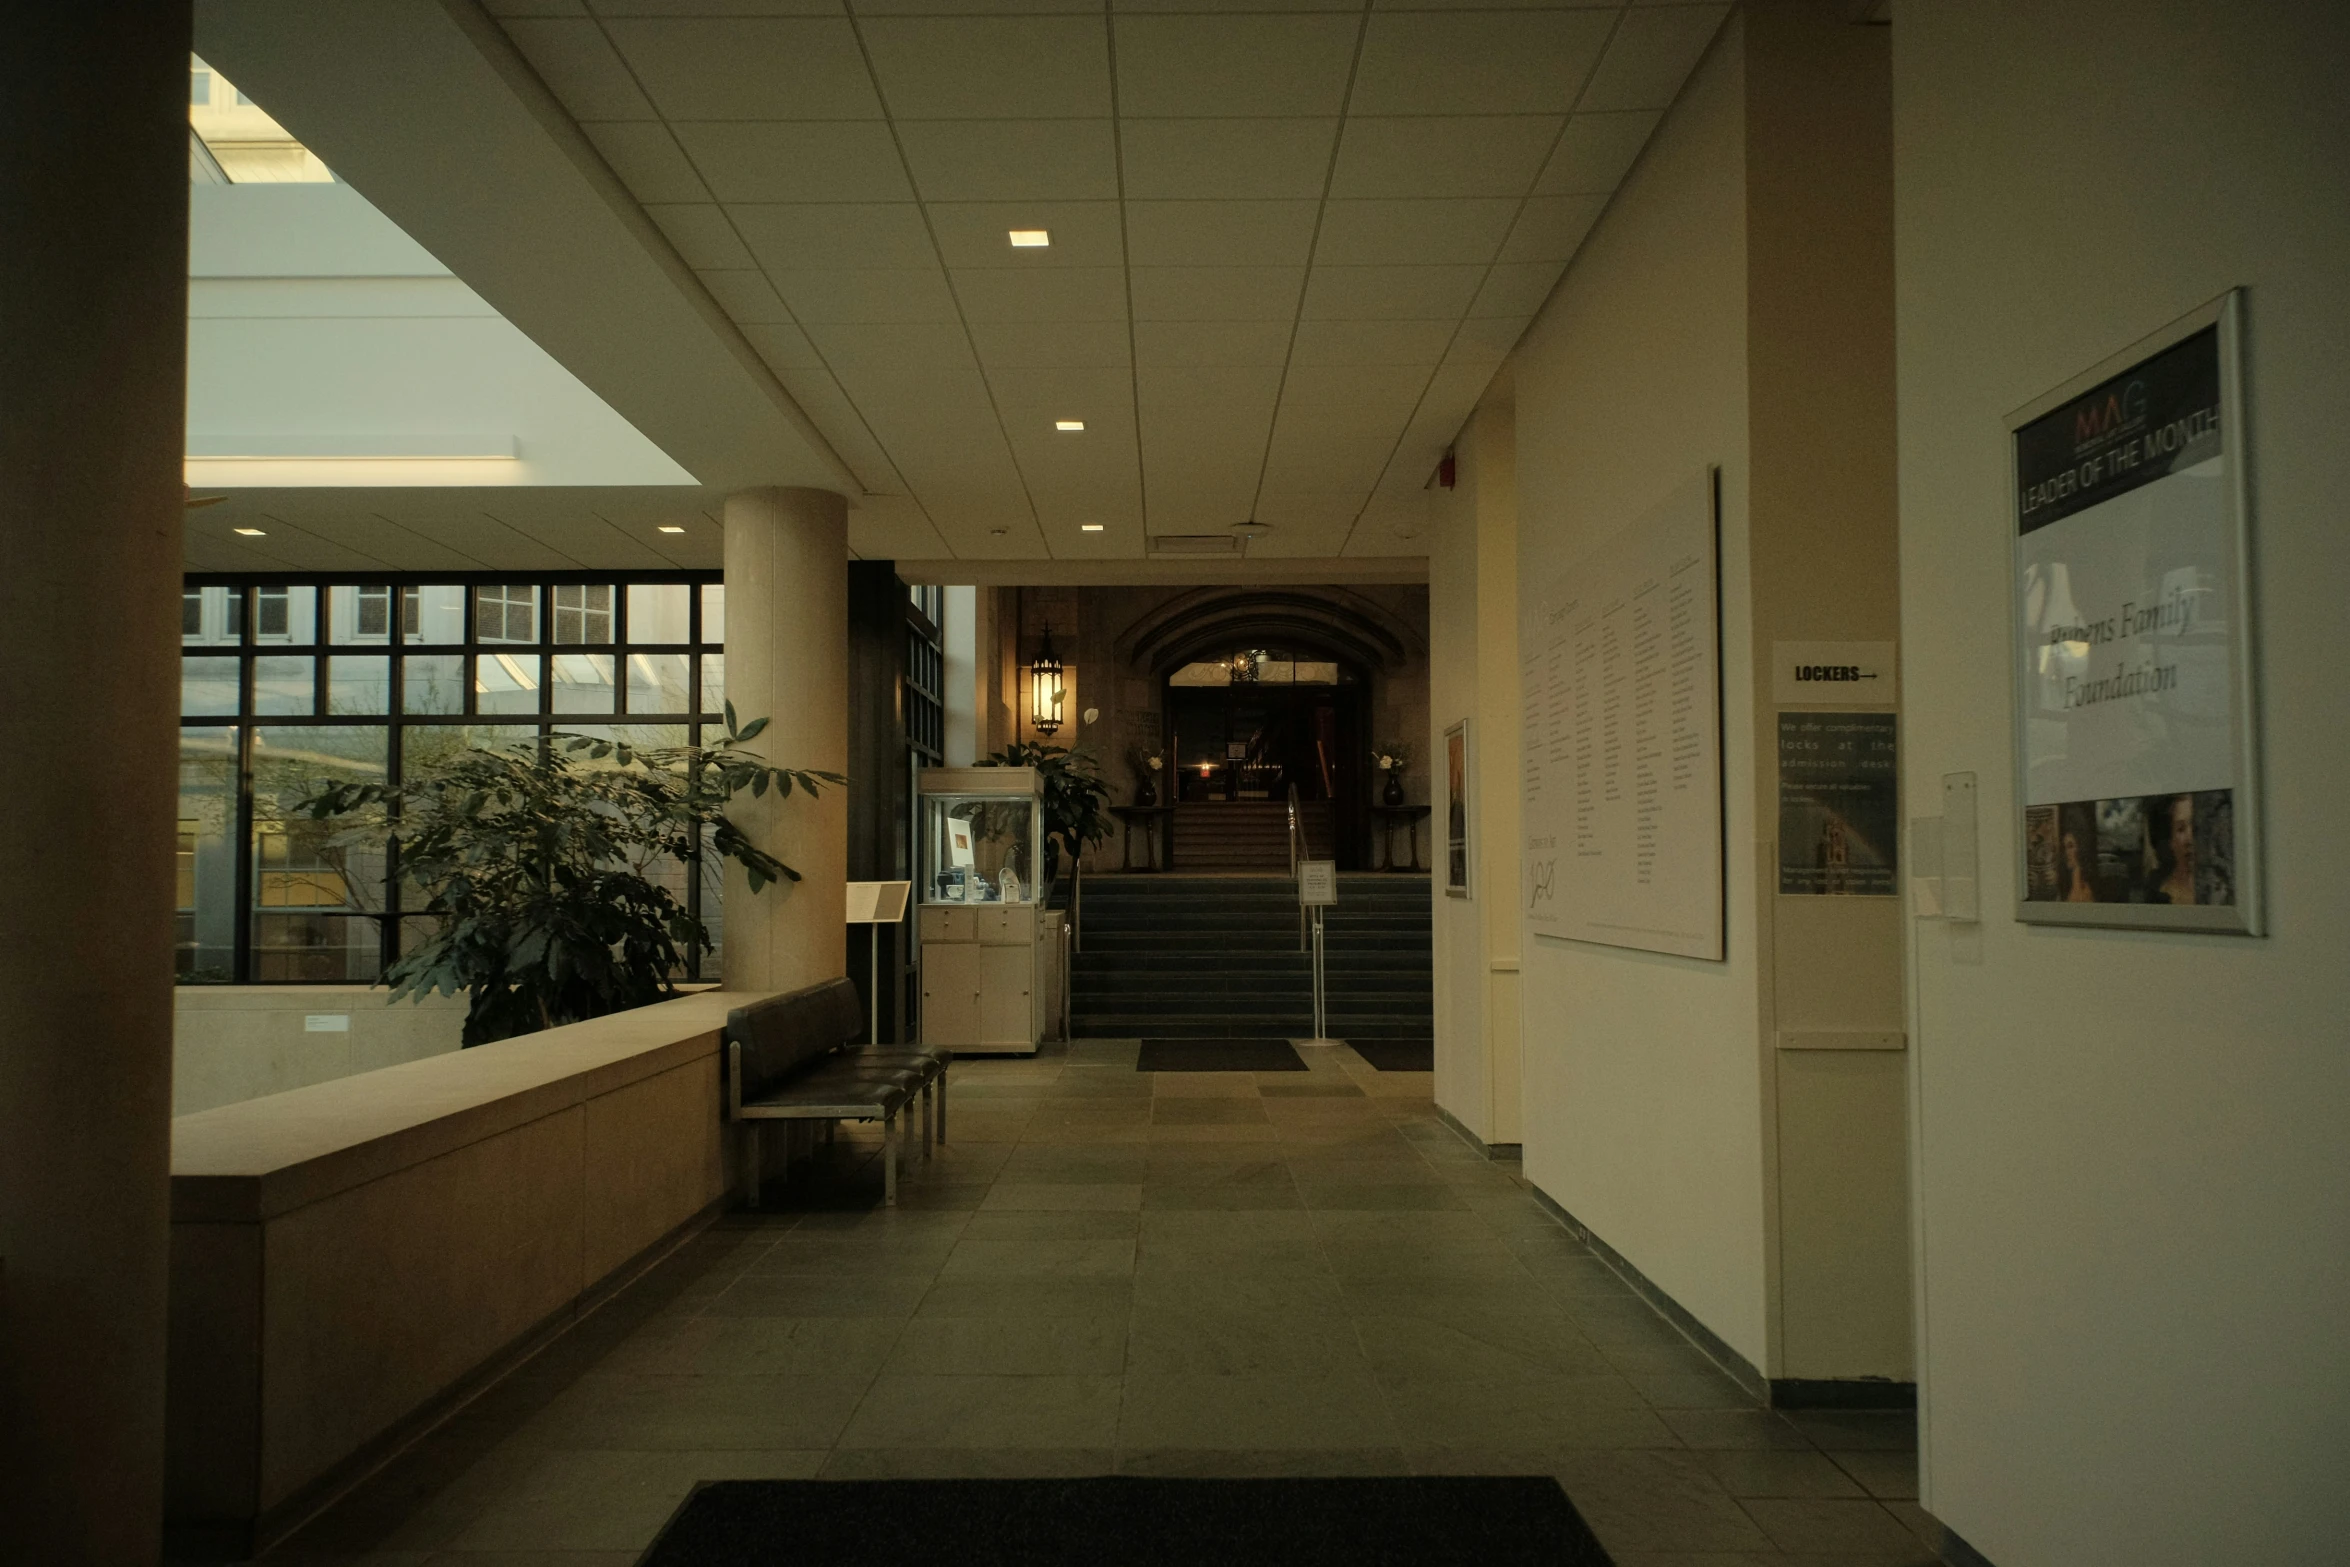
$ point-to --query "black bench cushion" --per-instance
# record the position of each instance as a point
(784, 1034)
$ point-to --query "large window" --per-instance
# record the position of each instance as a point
(286, 683)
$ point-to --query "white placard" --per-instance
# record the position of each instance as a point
(1317, 882)
(877, 902)
(1621, 692)
(1832, 674)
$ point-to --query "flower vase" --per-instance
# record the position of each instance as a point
(1393, 793)
(1144, 794)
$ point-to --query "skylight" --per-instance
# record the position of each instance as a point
(233, 140)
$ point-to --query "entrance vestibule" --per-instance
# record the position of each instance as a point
(1257, 723)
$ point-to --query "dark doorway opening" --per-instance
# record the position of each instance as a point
(1245, 729)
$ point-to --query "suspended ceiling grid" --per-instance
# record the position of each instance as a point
(1289, 249)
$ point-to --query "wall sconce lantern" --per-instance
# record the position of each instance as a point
(1045, 688)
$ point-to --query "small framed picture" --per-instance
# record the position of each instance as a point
(1456, 810)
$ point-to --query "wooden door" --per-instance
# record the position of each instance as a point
(1007, 996)
(950, 993)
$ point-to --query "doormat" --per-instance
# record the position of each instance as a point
(1397, 1055)
(1217, 1055)
(1132, 1521)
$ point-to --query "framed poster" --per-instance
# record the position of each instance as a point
(1839, 809)
(2135, 745)
(1456, 810)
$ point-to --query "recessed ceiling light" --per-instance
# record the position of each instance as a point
(997, 533)
(1030, 239)
(1252, 529)
(1089, 527)
(253, 533)
(668, 527)
(1068, 424)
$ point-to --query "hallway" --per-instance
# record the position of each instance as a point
(1203, 1274)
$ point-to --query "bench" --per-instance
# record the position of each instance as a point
(791, 1058)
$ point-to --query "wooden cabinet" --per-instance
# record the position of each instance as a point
(982, 976)
(1007, 997)
(950, 993)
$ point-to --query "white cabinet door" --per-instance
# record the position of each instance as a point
(945, 924)
(1007, 996)
(950, 993)
(1003, 925)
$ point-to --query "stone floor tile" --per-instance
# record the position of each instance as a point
(1165, 1134)
(519, 1559)
(1778, 1472)
(974, 1463)
(1206, 1085)
(1859, 1430)
(1062, 1165)
(1269, 1229)
(1026, 1297)
(633, 1411)
(817, 1295)
(1494, 1347)
(1829, 1526)
(1212, 1341)
(1270, 1194)
(844, 1253)
(1656, 1501)
(612, 1500)
(1054, 1257)
(987, 1411)
(1246, 1413)
(1381, 1198)
(1011, 1196)
(1276, 1463)
(1888, 1476)
(1011, 1346)
(880, 1223)
(1708, 1389)
(1534, 1410)
(1257, 1167)
(1050, 1224)
(1299, 1291)
(1372, 1261)
(1733, 1428)
(758, 1346)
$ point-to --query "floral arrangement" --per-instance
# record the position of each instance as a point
(1149, 760)
(1393, 757)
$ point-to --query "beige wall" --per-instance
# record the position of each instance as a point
(346, 1255)
(2134, 1183)
(1734, 308)
(236, 1042)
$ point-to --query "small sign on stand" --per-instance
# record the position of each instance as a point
(1317, 889)
(876, 904)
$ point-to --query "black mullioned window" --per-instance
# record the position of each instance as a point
(286, 682)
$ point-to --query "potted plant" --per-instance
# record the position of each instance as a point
(1392, 758)
(1074, 798)
(543, 868)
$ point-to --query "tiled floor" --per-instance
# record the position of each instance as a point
(1108, 1271)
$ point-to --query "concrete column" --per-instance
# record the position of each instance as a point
(787, 660)
(93, 344)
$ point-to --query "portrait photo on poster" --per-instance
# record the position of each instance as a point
(2135, 748)
(1456, 810)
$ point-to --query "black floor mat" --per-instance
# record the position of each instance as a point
(1218, 1055)
(1397, 1055)
(1414, 1521)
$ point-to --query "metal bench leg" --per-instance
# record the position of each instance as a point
(929, 1114)
(751, 1152)
(942, 1105)
(889, 1160)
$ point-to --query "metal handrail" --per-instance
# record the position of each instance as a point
(1296, 843)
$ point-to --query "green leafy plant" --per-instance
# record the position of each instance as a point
(548, 870)
(1076, 801)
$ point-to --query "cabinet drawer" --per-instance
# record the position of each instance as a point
(940, 923)
(1012, 925)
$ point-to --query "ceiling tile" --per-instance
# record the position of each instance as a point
(580, 67)
(1487, 155)
(717, 7)
(880, 295)
(1486, 340)
(1102, 397)
(1389, 293)
(1052, 344)
(868, 350)
(1517, 289)
(1235, 395)
(834, 234)
(892, 527)
(1219, 233)
(648, 160)
(746, 296)
(1651, 55)
(703, 237)
(817, 161)
(962, 7)
(986, 68)
(1174, 343)
(975, 234)
(1180, 504)
(783, 347)
(1413, 233)
(1190, 66)
(1595, 152)
(1477, 62)
(1225, 159)
(1311, 508)
(1006, 294)
(749, 68)
(1012, 160)
(504, 8)
(1372, 342)
(1216, 293)
(821, 398)
(1349, 393)
(1552, 228)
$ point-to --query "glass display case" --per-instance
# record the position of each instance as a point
(987, 953)
(982, 835)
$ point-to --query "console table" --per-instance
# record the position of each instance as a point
(1152, 819)
(1390, 818)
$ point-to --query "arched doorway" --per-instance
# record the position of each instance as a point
(1250, 723)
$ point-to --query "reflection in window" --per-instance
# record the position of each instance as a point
(581, 683)
(506, 683)
(714, 612)
(316, 884)
(208, 687)
(359, 614)
(432, 614)
(659, 612)
(357, 686)
(433, 683)
(284, 686)
(714, 683)
(284, 614)
(212, 617)
(204, 937)
(583, 612)
(657, 682)
(506, 614)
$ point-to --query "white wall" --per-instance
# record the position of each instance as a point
(2133, 1170)
(1642, 1091)
(313, 322)
(230, 1043)
(1463, 1083)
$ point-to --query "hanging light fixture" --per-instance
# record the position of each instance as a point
(1045, 688)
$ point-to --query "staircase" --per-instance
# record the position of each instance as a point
(1233, 837)
(1212, 957)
